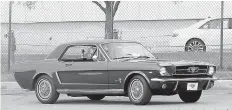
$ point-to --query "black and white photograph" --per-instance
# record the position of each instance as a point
(116, 55)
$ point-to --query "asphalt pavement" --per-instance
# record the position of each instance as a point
(210, 100)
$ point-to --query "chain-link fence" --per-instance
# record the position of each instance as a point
(32, 47)
(167, 37)
(161, 48)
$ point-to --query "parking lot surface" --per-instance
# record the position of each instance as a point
(210, 100)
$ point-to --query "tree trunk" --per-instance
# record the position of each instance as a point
(109, 22)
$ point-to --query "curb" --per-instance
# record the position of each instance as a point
(11, 88)
(223, 84)
(9, 85)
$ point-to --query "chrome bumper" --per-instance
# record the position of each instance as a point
(177, 80)
(182, 79)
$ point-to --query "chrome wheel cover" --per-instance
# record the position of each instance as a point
(195, 46)
(136, 89)
(44, 89)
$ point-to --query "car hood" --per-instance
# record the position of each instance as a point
(183, 63)
(163, 62)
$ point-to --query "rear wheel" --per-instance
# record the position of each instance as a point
(95, 97)
(45, 90)
(138, 91)
(190, 96)
(195, 45)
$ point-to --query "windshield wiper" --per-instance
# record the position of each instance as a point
(122, 57)
(134, 58)
(126, 58)
(144, 56)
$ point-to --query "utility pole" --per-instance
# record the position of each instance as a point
(112, 19)
(9, 35)
(221, 45)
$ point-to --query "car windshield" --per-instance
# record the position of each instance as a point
(126, 51)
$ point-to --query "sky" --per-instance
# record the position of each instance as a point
(55, 11)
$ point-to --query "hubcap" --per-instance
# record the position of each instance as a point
(136, 88)
(44, 89)
(195, 46)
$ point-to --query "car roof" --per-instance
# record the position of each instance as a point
(55, 54)
(201, 22)
(216, 18)
(101, 41)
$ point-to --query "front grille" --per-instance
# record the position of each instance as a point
(191, 70)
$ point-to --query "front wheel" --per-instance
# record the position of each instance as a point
(138, 91)
(45, 90)
(195, 45)
(190, 96)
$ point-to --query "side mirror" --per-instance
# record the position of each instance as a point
(94, 58)
(82, 53)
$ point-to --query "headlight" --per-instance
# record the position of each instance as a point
(211, 70)
(163, 72)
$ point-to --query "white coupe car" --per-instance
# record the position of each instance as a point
(203, 35)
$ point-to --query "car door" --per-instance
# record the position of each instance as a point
(211, 33)
(81, 71)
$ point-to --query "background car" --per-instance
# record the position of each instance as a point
(203, 35)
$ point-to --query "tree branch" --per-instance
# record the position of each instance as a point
(107, 4)
(112, 2)
(100, 6)
(115, 8)
(29, 4)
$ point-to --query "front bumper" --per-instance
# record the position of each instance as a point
(180, 84)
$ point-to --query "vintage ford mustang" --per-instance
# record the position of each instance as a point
(99, 68)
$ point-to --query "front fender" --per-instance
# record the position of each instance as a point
(132, 73)
(146, 74)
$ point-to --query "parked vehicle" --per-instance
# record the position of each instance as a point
(203, 35)
(99, 68)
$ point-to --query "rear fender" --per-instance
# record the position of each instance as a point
(37, 75)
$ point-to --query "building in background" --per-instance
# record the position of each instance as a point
(148, 22)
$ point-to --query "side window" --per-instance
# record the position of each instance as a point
(106, 48)
(225, 24)
(80, 53)
(101, 57)
(216, 24)
(205, 26)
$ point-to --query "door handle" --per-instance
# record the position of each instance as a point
(68, 65)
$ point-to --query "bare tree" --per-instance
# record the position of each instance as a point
(29, 4)
(110, 10)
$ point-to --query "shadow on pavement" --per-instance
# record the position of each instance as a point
(110, 102)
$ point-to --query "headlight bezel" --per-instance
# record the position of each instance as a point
(211, 70)
(163, 71)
